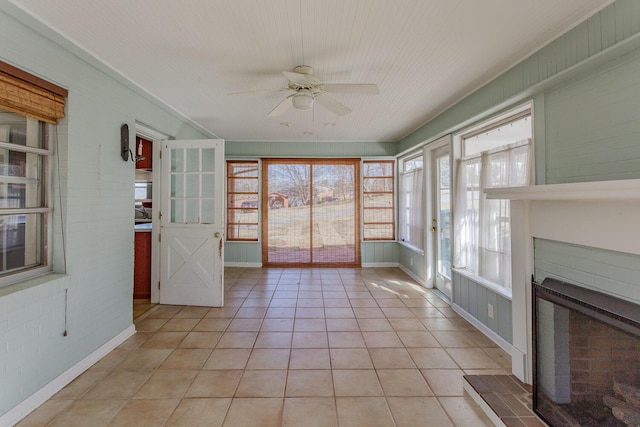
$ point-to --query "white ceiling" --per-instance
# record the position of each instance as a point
(423, 54)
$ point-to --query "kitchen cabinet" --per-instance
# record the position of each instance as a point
(142, 265)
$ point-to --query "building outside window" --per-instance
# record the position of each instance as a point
(378, 200)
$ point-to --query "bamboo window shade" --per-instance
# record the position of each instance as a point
(26, 94)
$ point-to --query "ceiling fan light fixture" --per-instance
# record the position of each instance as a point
(302, 101)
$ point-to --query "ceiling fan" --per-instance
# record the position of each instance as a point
(308, 89)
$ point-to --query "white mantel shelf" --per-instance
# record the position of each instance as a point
(620, 190)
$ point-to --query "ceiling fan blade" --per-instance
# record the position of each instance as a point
(250, 92)
(297, 78)
(332, 105)
(282, 107)
(351, 88)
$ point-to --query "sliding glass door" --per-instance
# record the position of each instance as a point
(310, 211)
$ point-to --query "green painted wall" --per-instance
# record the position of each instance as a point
(93, 198)
(586, 91)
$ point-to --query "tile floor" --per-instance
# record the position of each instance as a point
(291, 347)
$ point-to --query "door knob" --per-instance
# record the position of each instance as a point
(216, 234)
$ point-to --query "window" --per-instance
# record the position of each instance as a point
(497, 155)
(242, 200)
(24, 194)
(411, 202)
(378, 196)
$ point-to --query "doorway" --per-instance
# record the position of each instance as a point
(441, 217)
(310, 212)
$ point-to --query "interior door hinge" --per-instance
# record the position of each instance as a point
(161, 154)
(158, 285)
(160, 215)
(159, 237)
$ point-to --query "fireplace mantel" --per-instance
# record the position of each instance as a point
(602, 214)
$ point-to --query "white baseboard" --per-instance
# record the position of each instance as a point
(243, 264)
(24, 408)
(501, 342)
(378, 264)
(412, 274)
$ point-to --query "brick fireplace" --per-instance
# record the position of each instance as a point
(587, 357)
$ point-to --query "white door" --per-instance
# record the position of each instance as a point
(192, 223)
(441, 223)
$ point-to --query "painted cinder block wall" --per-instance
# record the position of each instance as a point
(92, 201)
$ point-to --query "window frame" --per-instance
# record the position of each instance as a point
(46, 135)
(392, 193)
(525, 110)
(403, 174)
(230, 194)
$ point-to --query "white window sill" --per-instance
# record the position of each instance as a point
(410, 246)
(493, 287)
(30, 283)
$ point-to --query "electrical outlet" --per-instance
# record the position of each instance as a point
(490, 311)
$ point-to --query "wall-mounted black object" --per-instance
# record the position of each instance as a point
(124, 142)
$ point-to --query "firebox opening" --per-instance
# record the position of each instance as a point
(587, 357)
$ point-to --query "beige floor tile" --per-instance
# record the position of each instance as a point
(480, 339)
(166, 385)
(237, 340)
(500, 356)
(368, 313)
(191, 312)
(80, 385)
(350, 358)
(472, 358)
(345, 340)
(263, 412)
(375, 325)
(135, 341)
(309, 383)
(426, 312)
(391, 358)
(186, 358)
(417, 339)
(118, 384)
(268, 358)
(251, 312)
(339, 313)
(165, 340)
(150, 325)
(273, 340)
(212, 325)
(262, 384)
(407, 410)
(164, 312)
(245, 325)
(363, 411)
(228, 358)
(445, 382)
(464, 412)
(381, 339)
(356, 382)
(431, 358)
(214, 384)
(310, 325)
(363, 302)
(309, 340)
(179, 325)
(403, 382)
(453, 339)
(144, 413)
(309, 412)
(201, 340)
(281, 312)
(342, 325)
(277, 325)
(45, 413)
(94, 413)
(221, 313)
(407, 324)
(309, 358)
(200, 412)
